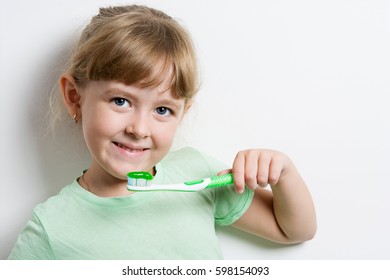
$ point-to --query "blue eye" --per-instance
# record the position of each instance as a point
(119, 101)
(164, 111)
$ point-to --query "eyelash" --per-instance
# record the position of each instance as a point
(114, 100)
(167, 109)
(123, 101)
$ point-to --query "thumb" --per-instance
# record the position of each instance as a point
(223, 172)
(227, 171)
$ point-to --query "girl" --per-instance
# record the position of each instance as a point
(130, 82)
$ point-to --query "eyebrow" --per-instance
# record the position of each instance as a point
(170, 103)
(114, 91)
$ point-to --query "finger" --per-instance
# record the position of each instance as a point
(238, 173)
(223, 172)
(275, 170)
(251, 168)
(263, 170)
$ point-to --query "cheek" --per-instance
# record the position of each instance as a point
(165, 134)
(96, 125)
(96, 128)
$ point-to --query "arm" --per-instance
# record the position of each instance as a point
(32, 243)
(286, 214)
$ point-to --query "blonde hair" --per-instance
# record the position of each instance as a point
(125, 43)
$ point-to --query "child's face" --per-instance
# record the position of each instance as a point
(128, 128)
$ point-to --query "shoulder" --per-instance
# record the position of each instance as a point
(191, 161)
(55, 204)
(186, 151)
(187, 156)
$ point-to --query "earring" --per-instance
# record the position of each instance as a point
(75, 118)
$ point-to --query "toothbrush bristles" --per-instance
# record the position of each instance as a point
(139, 179)
(139, 182)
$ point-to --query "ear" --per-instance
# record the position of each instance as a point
(187, 106)
(71, 96)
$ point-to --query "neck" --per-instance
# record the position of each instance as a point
(104, 188)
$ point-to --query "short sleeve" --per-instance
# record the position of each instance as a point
(32, 243)
(229, 205)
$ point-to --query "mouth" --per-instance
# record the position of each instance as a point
(130, 149)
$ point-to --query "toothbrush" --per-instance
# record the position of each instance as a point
(142, 181)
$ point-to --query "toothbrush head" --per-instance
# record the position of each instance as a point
(139, 179)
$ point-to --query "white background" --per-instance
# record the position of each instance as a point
(309, 78)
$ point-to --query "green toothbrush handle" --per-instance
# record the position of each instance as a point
(219, 181)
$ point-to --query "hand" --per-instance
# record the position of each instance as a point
(258, 167)
(287, 210)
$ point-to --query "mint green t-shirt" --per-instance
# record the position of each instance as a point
(76, 224)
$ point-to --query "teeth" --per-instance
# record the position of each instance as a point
(128, 149)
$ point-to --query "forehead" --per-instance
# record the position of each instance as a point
(112, 89)
(159, 79)
(137, 90)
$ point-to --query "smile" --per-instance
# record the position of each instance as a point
(130, 149)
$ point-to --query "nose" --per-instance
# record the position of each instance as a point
(139, 125)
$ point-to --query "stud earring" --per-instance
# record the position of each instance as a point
(75, 118)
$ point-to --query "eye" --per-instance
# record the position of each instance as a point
(164, 111)
(120, 102)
